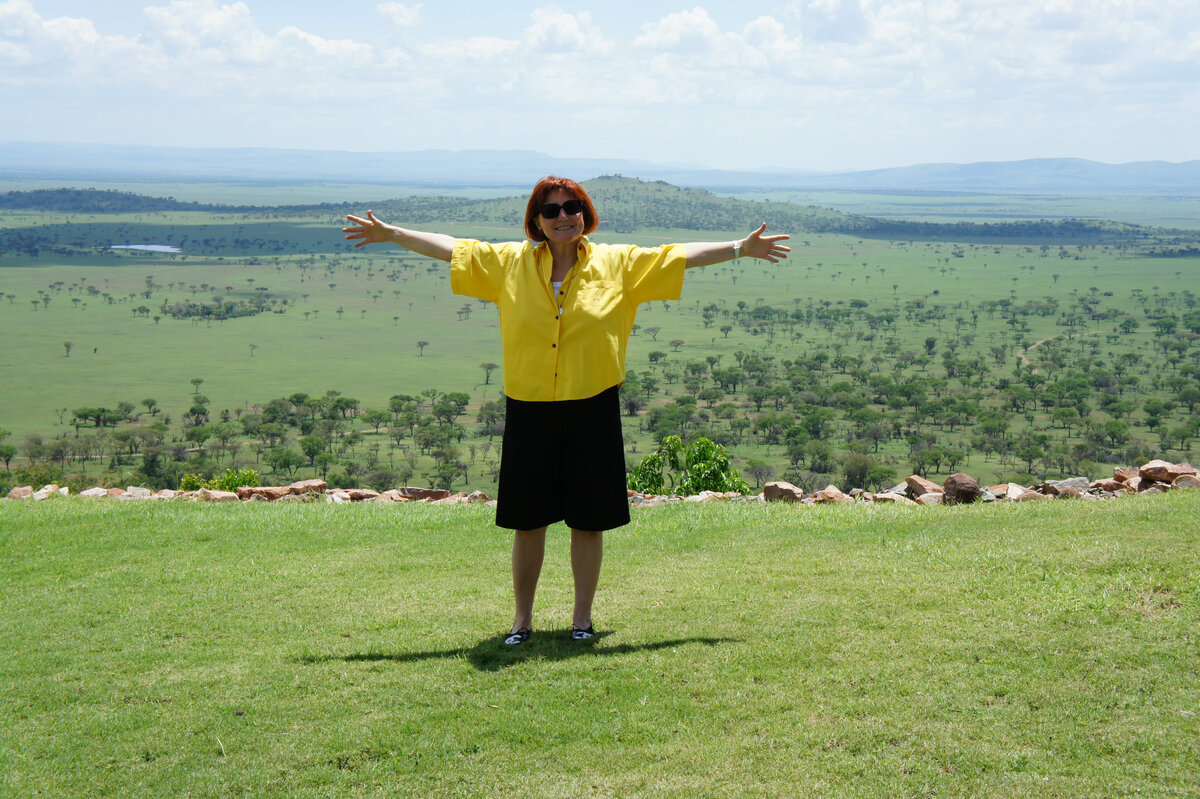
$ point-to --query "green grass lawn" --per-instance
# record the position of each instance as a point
(1041, 650)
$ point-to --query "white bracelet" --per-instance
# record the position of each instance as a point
(737, 250)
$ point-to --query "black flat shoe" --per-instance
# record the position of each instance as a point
(578, 634)
(519, 637)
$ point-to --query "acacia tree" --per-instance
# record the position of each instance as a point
(284, 459)
(376, 418)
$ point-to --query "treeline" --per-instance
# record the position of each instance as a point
(375, 447)
(98, 201)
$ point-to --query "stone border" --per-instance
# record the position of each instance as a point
(1154, 477)
(302, 491)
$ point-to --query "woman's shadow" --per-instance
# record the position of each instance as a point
(492, 654)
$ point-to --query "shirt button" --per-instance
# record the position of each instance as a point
(553, 345)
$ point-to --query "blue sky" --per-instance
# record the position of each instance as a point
(806, 84)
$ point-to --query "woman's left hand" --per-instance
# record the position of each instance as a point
(756, 245)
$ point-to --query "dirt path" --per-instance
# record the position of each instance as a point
(1021, 353)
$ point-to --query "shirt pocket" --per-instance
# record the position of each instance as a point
(598, 299)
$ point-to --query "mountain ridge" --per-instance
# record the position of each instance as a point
(519, 168)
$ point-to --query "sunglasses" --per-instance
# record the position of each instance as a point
(552, 210)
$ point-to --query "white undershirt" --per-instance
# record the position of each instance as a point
(557, 286)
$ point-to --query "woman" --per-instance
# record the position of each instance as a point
(566, 307)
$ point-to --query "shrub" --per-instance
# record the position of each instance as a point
(701, 466)
(382, 480)
(191, 482)
(232, 480)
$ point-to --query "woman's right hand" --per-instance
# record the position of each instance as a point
(370, 230)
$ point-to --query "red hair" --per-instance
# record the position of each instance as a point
(537, 198)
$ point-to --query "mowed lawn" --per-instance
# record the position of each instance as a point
(170, 649)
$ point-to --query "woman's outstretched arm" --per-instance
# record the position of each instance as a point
(373, 231)
(756, 245)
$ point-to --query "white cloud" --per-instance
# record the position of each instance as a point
(400, 14)
(555, 31)
(692, 30)
(203, 32)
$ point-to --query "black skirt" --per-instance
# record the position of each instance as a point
(563, 461)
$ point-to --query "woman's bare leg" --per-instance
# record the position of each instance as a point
(529, 549)
(587, 553)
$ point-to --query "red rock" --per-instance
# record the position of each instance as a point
(930, 498)
(918, 485)
(308, 487)
(898, 499)
(263, 492)
(1007, 490)
(209, 495)
(361, 494)
(1186, 481)
(1029, 496)
(829, 494)
(1108, 485)
(782, 491)
(392, 496)
(1069, 493)
(1125, 474)
(1164, 471)
(478, 496)
(431, 494)
(21, 492)
(961, 488)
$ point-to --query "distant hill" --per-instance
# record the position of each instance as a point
(627, 205)
(1050, 175)
(520, 168)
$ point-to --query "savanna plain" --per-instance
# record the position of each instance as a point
(1015, 349)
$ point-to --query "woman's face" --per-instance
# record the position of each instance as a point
(565, 228)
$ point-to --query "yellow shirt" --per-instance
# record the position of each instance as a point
(580, 351)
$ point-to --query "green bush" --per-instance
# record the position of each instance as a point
(700, 466)
(232, 480)
(191, 482)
